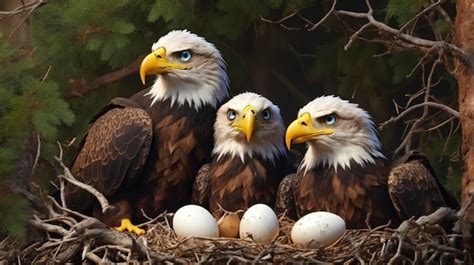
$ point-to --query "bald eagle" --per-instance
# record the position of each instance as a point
(249, 156)
(345, 172)
(143, 152)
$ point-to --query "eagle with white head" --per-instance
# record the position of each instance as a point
(143, 152)
(345, 172)
(249, 156)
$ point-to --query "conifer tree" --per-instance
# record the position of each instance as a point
(30, 105)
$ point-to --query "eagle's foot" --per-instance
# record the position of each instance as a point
(125, 224)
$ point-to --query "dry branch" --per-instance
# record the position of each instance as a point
(79, 88)
(89, 239)
(104, 204)
(407, 40)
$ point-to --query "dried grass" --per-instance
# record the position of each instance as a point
(70, 237)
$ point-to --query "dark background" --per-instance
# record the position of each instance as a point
(74, 42)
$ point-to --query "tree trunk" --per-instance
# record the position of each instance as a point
(464, 73)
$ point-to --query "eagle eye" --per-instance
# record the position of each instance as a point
(266, 114)
(330, 119)
(231, 114)
(185, 55)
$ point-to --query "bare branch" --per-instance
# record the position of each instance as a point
(424, 11)
(355, 35)
(48, 227)
(79, 88)
(407, 39)
(448, 109)
(38, 153)
(281, 21)
(321, 21)
(33, 8)
(22, 8)
(104, 204)
(444, 15)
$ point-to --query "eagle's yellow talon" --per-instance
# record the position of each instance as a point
(125, 224)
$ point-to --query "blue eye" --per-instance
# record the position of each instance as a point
(185, 56)
(330, 119)
(266, 115)
(231, 114)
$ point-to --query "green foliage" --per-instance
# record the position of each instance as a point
(442, 27)
(228, 20)
(357, 71)
(441, 151)
(403, 10)
(28, 106)
(176, 12)
(14, 214)
(402, 64)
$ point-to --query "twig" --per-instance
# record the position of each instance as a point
(321, 21)
(441, 124)
(45, 76)
(62, 192)
(38, 4)
(466, 206)
(408, 40)
(355, 35)
(280, 20)
(104, 204)
(449, 110)
(20, 9)
(38, 153)
(444, 15)
(93, 257)
(49, 227)
(406, 143)
(65, 209)
(421, 13)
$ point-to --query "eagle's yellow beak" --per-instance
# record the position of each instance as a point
(246, 122)
(302, 130)
(156, 63)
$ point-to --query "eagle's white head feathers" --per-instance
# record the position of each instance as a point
(195, 72)
(337, 133)
(249, 125)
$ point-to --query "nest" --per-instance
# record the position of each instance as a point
(69, 236)
(74, 237)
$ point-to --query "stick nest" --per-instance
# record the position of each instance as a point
(73, 237)
(60, 235)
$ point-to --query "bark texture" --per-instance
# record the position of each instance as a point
(464, 73)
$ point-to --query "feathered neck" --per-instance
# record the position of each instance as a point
(268, 151)
(194, 88)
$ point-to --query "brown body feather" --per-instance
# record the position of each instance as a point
(237, 185)
(358, 194)
(364, 196)
(414, 188)
(142, 156)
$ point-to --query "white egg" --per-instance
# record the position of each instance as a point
(194, 220)
(318, 229)
(260, 223)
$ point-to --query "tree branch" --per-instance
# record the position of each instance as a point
(21, 9)
(321, 21)
(412, 41)
(448, 109)
(80, 88)
(104, 204)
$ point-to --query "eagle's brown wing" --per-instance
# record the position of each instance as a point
(285, 200)
(414, 188)
(111, 155)
(202, 187)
